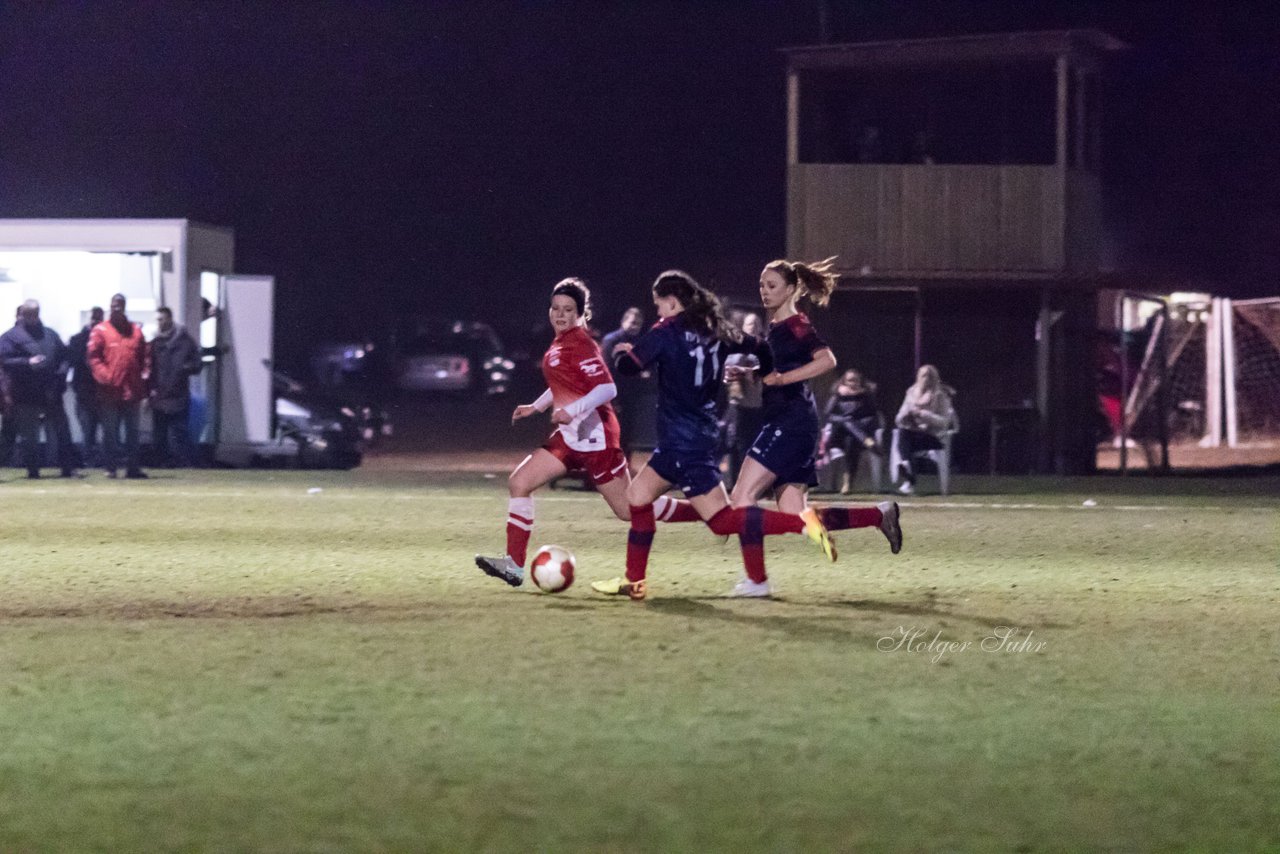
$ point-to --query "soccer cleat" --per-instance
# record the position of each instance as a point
(748, 589)
(636, 590)
(502, 567)
(889, 525)
(816, 531)
(907, 488)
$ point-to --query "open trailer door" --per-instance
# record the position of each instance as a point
(245, 400)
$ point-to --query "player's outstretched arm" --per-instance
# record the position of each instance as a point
(598, 396)
(526, 409)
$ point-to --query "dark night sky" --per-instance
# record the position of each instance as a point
(461, 156)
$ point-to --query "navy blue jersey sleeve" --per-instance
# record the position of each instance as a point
(643, 354)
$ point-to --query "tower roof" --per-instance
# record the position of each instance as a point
(1084, 47)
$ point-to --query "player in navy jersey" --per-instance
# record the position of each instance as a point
(782, 457)
(687, 349)
(585, 434)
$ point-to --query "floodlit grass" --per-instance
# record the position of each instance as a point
(227, 661)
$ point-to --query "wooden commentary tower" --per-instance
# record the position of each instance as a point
(957, 182)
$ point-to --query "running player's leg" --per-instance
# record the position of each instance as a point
(537, 470)
(646, 487)
(792, 497)
(787, 456)
(671, 510)
(614, 493)
(753, 481)
(884, 516)
(665, 508)
(724, 519)
(790, 455)
(640, 494)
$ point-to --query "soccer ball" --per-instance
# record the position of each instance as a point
(552, 569)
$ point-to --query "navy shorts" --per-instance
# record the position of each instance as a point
(788, 453)
(695, 472)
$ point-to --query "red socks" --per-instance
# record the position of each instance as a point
(752, 541)
(639, 541)
(730, 520)
(842, 518)
(519, 528)
(752, 525)
(667, 509)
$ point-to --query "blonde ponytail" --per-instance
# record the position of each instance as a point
(817, 281)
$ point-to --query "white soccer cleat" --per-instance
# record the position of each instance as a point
(502, 567)
(748, 589)
(907, 488)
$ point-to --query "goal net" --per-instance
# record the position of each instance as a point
(1252, 368)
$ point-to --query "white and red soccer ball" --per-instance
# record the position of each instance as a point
(552, 569)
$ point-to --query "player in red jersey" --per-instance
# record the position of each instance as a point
(586, 435)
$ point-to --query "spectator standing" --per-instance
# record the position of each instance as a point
(85, 389)
(175, 358)
(635, 402)
(121, 364)
(9, 426)
(746, 402)
(8, 432)
(35, 360)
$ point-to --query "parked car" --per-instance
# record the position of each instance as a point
(321, 429)
(348, 364)
(450, 356)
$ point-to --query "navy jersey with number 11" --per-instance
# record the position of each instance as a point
(690, 367)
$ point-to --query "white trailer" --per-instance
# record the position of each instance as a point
(71, 265)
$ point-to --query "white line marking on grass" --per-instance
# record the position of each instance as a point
(301, 494)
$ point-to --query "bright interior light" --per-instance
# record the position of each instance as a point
(69, 283)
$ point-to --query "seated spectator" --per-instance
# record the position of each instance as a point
(924, 421)
(850, 423)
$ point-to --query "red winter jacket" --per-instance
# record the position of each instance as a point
(121, 364)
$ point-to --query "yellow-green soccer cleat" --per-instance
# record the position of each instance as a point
(636, 590)
(816, 531)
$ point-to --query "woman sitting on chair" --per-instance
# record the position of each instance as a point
(852, 419)
(924, 421)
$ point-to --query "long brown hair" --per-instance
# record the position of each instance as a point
(817, 281)
(701, 306)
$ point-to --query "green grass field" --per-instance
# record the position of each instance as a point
(228, 661)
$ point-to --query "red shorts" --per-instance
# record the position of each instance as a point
(603, 465)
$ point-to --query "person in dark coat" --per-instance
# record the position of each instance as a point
(851, 420)
(9, 424)
(175, 358)
(85, 389)
(35, 360)
(635, 402)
